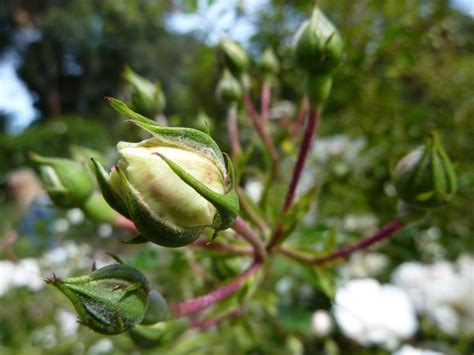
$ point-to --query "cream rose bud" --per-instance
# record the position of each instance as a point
(172, 186)
(169, 198)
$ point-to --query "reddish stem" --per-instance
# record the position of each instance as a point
(254, 217)
(261, 132)
(304, 105)
(206, 323)
(234, 249)
(233, 130)
(313, 120)
(202, 302)
(383, 233)
(246, 232)
(265, 104)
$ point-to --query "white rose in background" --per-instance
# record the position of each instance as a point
(370, 313)
(322, 323)
(442, 291)
(410, 350)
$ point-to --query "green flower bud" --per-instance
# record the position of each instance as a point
(173, 185)
(158, 334)
(228, 88)
(157, 310)
(67, 182)
(268, 62)
(425, 177)
(319, 46)
(235, 57)
(147, 97)
(110, 300)
(98, 210)
(318, 87)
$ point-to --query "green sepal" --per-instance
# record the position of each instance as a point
(122, 108)
(149, 226)
(159, 334)
(180, 137)
(227, 205)
(110, 195)
(139, 239)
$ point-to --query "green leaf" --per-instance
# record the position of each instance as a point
(112, 198)
(227, 205)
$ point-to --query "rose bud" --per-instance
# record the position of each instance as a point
(173, 185)
(425, 177)
(67, 182)
(147, 97)
(110, 300)
(235, 57)
(158, 334)
(318, 45)
(268, 63)
(228, 88)
(157, 310)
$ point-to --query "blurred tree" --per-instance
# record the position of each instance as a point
(83, 45)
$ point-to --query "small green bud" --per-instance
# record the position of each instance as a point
(147, 97)
(67, 182)
(235, 57)
(157, 310)
(98, 210)
(319, 46)
(110, 300)
(268, 63)
(158, 334)
(425, 177)
(173, 185)
(228, 88)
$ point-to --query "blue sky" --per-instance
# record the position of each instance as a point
(211, 23)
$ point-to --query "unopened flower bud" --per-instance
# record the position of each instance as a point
(147, 97)
(98, 210)
(110, 300)
(67, 182)
(235, 57)
(158, 334)
(425, 177)
(268, 62)
(157, 310)
(228, 88)
(173, 185)
(319, 46)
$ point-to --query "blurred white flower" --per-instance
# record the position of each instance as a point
(363, 223)
(61, 225)
(24, 273)
(370, 313)
(366, 265)
(254, 189)
(410, 350)
(340, 146)
(27, 273)
(75, 216)
(67, 322)
(7, 270)
(45, 337)
(443, 291)
(282, 109)
(104, 230)
(321, 323)
(101, 347)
